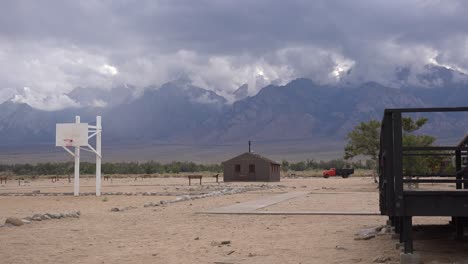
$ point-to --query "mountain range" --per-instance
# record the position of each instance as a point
(179, 113)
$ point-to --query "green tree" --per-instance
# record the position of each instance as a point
(364, 140)
(284, 165)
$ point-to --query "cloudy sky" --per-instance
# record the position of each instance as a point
(50, 47)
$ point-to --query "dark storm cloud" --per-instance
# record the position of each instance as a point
(222, 44)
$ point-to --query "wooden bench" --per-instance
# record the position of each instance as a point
(3, 179)
(54, 179)
(190, 177)
(106, 178)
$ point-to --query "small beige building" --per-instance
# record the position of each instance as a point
(251, 167)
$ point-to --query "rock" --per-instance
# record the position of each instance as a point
(53, 216)
(364, 237)
(197, 238)
(384, 230)
(406, 258)
(14, 221)
(382, 259)
(45, 217)
(25, 221)
(183, 198)
(37, 217)
(75, 214)
(225, 242)
(115, 209)
(368, 233)
(340, 248)
(36, 191)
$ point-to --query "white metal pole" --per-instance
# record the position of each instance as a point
(99, 156)
(77, 165)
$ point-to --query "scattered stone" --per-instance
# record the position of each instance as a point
(14, 221)
(55, 216)
(385, 230)
(407, 258)
(369, 233)
(36, 191)
(197, 238)
(230, 252)
(364, 237)
(251, 255)
(382, 259)
(25, 221)
(183, 198)
(221, 243)
(339, 247)
(116, 209)
(45, 217)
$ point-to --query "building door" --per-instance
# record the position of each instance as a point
(237, 170)
(252, 175)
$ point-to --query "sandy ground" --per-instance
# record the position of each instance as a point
(176, 233)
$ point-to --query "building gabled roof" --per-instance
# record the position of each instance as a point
(463, 142)
(254, 155)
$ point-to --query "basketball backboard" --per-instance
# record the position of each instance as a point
(71, 135)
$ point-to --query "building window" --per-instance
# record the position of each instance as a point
(252, 168)
(237, 168)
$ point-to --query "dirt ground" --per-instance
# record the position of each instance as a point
(177, 233)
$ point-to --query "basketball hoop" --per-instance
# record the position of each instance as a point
(76, 135)
(68, 142)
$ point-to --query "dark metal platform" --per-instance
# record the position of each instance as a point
(400, 204)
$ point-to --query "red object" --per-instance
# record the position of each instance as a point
(328, 173)
(337, 172)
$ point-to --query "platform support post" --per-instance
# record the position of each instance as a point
(407, 234)
(76, 183)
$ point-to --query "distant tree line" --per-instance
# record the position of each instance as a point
(151, 167)
(311, 164)
(63, 168)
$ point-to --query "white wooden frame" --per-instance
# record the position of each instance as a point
(79, 143)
